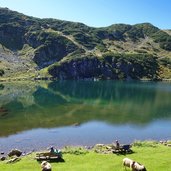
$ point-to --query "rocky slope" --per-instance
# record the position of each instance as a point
(31, 47)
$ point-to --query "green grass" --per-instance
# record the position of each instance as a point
(155, 157)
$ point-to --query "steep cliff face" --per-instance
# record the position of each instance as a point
(12, 36)
(49, 47)
(48, 54)
(113, 66)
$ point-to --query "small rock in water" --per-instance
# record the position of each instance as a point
(76, 124)
(2, 153)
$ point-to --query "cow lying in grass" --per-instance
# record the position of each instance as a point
(133, 165)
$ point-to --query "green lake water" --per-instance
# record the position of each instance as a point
(35, 115)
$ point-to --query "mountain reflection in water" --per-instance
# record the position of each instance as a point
(114, 105)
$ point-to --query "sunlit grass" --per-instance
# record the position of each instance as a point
(156, 157)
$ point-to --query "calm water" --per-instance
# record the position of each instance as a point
(35, 115)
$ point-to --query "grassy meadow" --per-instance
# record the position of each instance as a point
(156, 157)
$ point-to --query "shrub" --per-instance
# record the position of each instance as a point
(165, 62)
(74, 150)
(145, 143)
(163, 39)
(2, 72)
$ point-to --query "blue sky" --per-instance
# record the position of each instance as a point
(97, 13)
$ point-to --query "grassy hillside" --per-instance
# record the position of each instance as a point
(152, 155)
(29, 46)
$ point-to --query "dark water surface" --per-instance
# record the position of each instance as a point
(35, 115)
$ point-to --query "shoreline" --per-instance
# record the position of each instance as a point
(89, 147)
(16, 79)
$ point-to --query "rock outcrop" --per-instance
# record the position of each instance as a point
(111, 67)
(15, 152)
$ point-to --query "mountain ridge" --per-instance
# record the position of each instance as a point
(44, 47)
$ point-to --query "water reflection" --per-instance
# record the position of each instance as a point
(26, 106)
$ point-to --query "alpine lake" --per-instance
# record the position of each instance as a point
(37, 114)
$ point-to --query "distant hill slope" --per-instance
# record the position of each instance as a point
(33, 47)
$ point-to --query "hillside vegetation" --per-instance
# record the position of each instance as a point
(32, 47)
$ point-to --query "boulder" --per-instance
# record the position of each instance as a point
(14, 152)
(3, 158)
